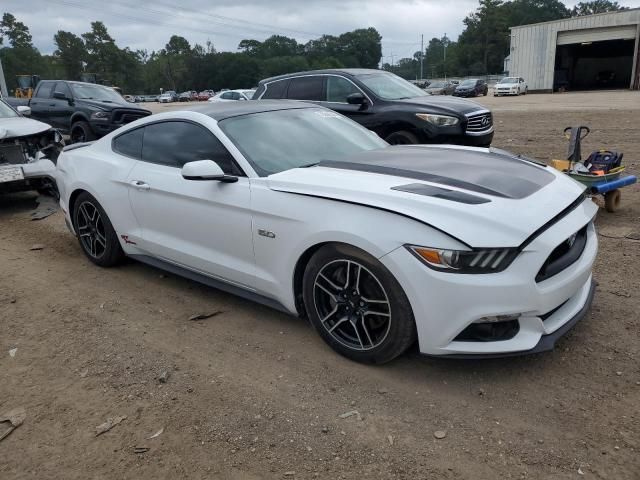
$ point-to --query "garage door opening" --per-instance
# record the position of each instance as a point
(594, 65)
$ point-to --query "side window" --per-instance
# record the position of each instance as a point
(275, 90)
(521, 80)
(338, 89)
(235, 96)
(227, 96)
(129, 143)
(62, 87)
(175, 143)
(44, 89)
(306, 88)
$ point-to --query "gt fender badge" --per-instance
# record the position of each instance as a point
(266, 233)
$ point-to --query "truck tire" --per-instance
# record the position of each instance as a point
(81, 132)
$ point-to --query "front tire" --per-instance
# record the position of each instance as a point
(81, 132)
(402, 137)
(356, 305)
(97, 237)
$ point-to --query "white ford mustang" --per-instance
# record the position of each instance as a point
(472, 252)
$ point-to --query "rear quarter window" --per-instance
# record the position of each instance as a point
(275, 90)
(129, 143)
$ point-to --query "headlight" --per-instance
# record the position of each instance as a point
(486, 260)
(438, 120)
(99, 115)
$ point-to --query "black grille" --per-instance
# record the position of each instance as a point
(480, 122)
(123, 116)
(563, 255)
(12, 154)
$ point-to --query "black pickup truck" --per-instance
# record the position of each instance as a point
(84, 111)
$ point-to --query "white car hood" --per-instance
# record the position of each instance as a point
(484, 218)
(20, 127)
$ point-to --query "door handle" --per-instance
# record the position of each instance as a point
(140, 185)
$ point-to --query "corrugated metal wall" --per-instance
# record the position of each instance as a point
(533, 47)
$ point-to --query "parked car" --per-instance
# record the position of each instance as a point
(232, 95)
(440, 88)
(471, 88)
(204, 96)
(395, 109)
(165, 98)
(84, 111)
(184, 97)
(470, 252)
(29, 150)
(129, 98)
(194, 96)
(510, 86)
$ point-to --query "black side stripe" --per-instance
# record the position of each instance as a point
(381, 209)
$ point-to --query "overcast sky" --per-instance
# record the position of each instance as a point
(148, 24)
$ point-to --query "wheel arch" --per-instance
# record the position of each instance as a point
(78, 117)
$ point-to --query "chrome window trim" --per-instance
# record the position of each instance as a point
(266, 87)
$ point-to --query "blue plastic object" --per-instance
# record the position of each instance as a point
(605, 187)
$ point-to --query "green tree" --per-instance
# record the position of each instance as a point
(16, 32)
(596, 6)
(70, 54)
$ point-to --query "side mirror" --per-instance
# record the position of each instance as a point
(206, 170)
(24, 110)
(356, 99)
(59, 96)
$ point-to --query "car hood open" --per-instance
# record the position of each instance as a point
(13, 127)
(484, 198)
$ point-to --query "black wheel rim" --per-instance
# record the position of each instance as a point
(77, 135)
(352, 305)
(90, 228)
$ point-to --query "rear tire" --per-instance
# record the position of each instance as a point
(356, 305)
(97, 237)
(81, 132)
(402, 137)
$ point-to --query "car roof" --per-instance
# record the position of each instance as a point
(224, 110)
(353, 72)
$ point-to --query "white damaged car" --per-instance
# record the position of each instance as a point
(29, 150)
(468, 251)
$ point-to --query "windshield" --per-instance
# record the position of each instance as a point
(438, 85)
(391, 87)
(509, 80)
(280, 140)
(6, 111)
(468, 83)
(95, 92)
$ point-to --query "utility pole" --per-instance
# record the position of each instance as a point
(3, 84)
(421, 56)
(445, 41)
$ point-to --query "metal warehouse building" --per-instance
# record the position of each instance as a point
(582, 53)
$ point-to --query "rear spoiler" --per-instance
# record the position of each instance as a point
(73, 146)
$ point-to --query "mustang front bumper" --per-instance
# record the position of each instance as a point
(445, 304)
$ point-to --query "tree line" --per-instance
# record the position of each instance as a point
(480, 49)
(485, 41)
(179, 65)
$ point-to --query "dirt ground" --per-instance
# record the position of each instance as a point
(255, 394)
